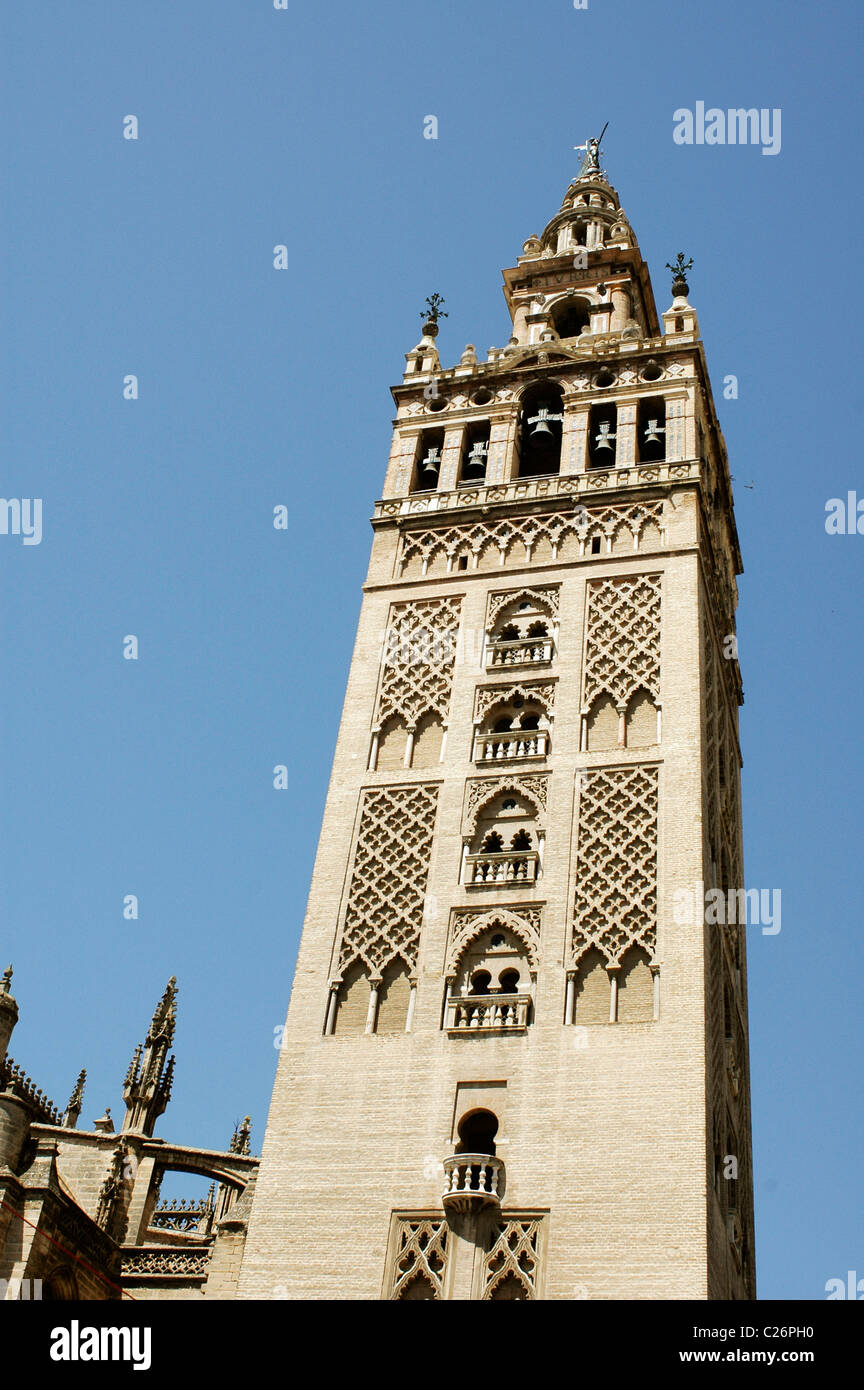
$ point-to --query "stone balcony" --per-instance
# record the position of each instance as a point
(472, 1181)
(536, 651)
(517, 867)
(487, 1013)
(520, 743)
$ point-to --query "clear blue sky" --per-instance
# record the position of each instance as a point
(259, 387)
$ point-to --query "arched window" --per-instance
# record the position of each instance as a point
(651, 430)
(521, 635)
(491, 990)
(499, 822)
(571, 316)
(475, 453)
(540, 422)
(516, 731)
(427, 467)
(509, 1288)
(602, 436)
(420, 1287)
(477, 1132)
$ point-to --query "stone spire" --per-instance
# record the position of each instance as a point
(147, 1087)
(583, 279)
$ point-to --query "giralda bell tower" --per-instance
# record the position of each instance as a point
(515, 1061)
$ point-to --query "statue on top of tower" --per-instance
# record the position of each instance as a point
(591, 159)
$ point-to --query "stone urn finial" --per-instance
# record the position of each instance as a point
(680, 288)
(432, 314)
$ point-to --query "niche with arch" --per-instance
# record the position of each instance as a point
(513, 729)
(571, 316)
(523, 633)
(506, 843)
(493, 984)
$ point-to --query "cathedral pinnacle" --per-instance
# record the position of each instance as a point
(147, 1086)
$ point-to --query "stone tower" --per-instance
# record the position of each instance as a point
(515, 1060)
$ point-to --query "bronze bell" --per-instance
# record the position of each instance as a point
(541, 433)
(652, 432)
(605, 439)
(430, 468)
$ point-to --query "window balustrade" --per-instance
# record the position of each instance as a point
(512, 867)
(471, 1181)
(518, 743)
(526, 651)
(501, 1012)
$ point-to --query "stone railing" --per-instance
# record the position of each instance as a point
(471, 1181)
(521, 743)
(512, 867)
(164, 1262)
(526, 489)
(183, 1215)
(527, 651)
(501, 1012)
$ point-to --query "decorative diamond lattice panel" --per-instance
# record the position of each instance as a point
(513, 1261)
(419, 652)
(531, 786)
(421, 1253)
(468, 923)
(622, 651)
(616, 863)
(519, 535)
(388, 885)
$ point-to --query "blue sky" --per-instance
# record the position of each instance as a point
(258, 387)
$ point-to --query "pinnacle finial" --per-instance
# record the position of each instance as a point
(6, 980)
(240, 1140)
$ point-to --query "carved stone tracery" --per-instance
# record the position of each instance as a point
(616, 863)
(419, 654)
(622, 648)
(583, 523)
(530, 785)
(388, 881)
(545, 598)
(467, 924)
(487, 697)
(421, 1254)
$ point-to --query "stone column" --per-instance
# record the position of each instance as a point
(625, 452)
(448, 476)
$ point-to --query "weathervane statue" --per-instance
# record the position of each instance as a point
(591, 162)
